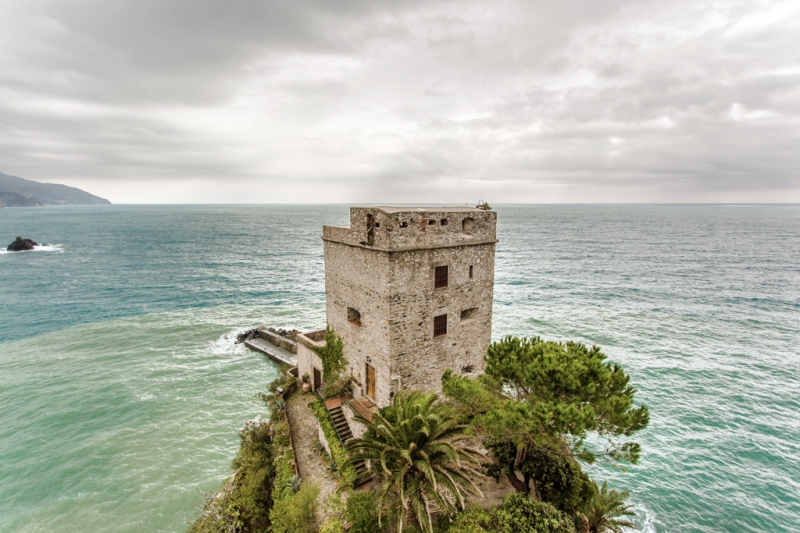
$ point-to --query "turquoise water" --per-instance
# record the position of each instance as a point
(121, 391)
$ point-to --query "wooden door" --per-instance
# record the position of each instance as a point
(317, 379)
(370, 381)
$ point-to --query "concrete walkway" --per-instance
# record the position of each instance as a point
(305, 433)
(274, 352)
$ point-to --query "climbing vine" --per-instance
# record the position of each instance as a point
(332, 356)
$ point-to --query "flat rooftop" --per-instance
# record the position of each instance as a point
(411, 209)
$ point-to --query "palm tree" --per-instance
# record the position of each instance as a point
(606, 509)
(420, 454)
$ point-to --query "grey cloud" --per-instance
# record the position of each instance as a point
(405, 101)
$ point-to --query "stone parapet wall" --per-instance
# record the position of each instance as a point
(356, 428)
(277, 340)
(409, 228)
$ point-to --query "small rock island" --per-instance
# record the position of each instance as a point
(21, 244)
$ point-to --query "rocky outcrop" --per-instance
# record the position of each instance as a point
(289, 334)
(246, 336)
(21, 245)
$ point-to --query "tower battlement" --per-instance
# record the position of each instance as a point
(401, 228)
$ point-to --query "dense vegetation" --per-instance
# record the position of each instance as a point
(532, 413)
(534, 408)
(334, 364)
(244, 502)
(519, 513)
(422, 457)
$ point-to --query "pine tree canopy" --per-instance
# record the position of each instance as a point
(542, 394)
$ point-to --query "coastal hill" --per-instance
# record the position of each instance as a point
(19, 192)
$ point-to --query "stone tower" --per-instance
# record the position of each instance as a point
(410, 292)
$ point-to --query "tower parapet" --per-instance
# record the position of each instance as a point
(407, 228)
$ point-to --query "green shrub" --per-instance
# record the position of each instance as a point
(558, 478)
(281, 430)
(296, 514)
(331, 355)
(336, 388)
(362, 512)
(346, 474)
(521, 514)
(476, 520)
(334, 524)
(517, 514)
(282, 491)
(244, 500)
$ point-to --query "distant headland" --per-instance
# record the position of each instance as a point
(19, 192)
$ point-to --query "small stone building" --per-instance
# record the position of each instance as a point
(410, 292)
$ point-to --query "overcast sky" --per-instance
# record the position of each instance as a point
(404, 101)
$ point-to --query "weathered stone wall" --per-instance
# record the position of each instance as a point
(357, 278)
(356, 428)
(391, 285)
(307, 360)
(277, 340)
(419, 358)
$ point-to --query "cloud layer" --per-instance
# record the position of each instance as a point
(411, 101)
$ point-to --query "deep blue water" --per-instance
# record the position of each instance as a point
(121, 391)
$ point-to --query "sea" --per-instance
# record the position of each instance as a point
(122, 391)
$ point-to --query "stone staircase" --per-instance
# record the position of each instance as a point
(345, 434)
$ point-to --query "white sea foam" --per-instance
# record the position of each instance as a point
(645, 518)
(226, 344)
(41, 248)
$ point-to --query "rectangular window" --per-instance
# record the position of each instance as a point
(439, 325)
(440, 277)
(470, 272)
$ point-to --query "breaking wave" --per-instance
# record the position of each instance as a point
(40, 248)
